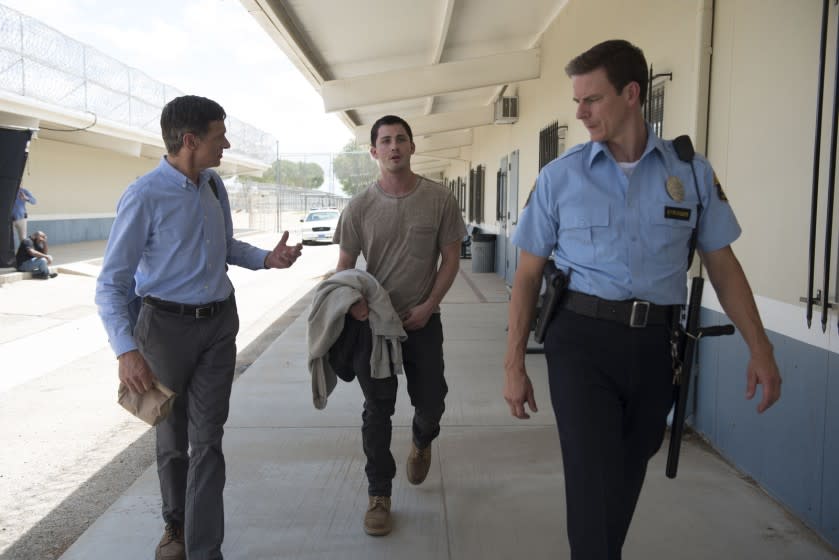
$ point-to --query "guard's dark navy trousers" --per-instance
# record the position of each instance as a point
(611, 390)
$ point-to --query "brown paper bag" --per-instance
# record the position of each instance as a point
(150, 407)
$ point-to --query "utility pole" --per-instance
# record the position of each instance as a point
(331, 173)
(279, 188)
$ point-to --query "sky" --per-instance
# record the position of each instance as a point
(212, 48)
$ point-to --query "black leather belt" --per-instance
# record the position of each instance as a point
(204, 311)
(632, 312)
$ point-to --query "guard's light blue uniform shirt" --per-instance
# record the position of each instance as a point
(624, 237)
(170, 240)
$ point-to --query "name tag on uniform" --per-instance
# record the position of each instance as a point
(674, 213)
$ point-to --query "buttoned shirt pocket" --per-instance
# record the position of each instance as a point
(670, 232)
(580, 230)
(422, 241)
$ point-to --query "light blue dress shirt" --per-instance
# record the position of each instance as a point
(170, 240)
(625, 237)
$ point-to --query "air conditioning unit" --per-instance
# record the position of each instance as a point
(506, 110)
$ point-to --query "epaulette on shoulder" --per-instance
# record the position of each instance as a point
(571, 151)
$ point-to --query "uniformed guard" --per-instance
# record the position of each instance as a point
(619, 212)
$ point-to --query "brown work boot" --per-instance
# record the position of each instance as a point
(171, 545)
(377, 518)
(419, 461)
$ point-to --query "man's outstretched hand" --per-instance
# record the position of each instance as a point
(283, 256)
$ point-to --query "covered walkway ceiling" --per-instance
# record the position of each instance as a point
(440, 64)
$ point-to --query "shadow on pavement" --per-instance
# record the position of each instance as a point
(53, 535)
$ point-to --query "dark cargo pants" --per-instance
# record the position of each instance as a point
(422, 356)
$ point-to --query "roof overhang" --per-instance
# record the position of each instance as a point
(60, 124)
(440, 65)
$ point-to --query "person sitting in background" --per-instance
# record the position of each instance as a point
(32, 256)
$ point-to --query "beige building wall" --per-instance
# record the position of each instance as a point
(761, 134)
(764, 69)
(668, 32)
(72, 181)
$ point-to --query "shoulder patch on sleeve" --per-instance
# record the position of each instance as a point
(530, 195)
(718, 186)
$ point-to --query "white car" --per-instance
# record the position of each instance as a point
(319, 226)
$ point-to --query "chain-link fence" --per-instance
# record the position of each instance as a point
(39, 62)
(308, 182)
(267, 207)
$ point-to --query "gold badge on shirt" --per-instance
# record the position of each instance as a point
(675, 188)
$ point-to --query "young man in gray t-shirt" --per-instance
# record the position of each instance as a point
(404, 225)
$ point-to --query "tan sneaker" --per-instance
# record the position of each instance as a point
(419, 460)
(171, 545)
(377, 518)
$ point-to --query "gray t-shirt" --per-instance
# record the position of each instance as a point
(401, 236)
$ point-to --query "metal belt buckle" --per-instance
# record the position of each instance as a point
(639, 315)
(204, 312)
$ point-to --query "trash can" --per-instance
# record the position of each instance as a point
(466, 248)
(483, 252)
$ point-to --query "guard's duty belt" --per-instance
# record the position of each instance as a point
(633, 313)
(204, 311)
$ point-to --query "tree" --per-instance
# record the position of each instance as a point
(295, 174)
(354, 168)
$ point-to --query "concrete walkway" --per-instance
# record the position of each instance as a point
(68, 450)
(296, 487)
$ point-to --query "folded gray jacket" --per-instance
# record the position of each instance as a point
(332, 301)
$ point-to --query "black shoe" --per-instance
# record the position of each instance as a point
(53, 274)
(40, 275)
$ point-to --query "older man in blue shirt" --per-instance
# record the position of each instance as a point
(618, 213)
(170, 245)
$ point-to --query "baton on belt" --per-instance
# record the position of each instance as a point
(683, 340)
(684, 349)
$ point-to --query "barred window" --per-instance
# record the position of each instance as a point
(476, 194)
(655, 108)
(458, 188)
(551, 143)
(548, 144)
(501, 194)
